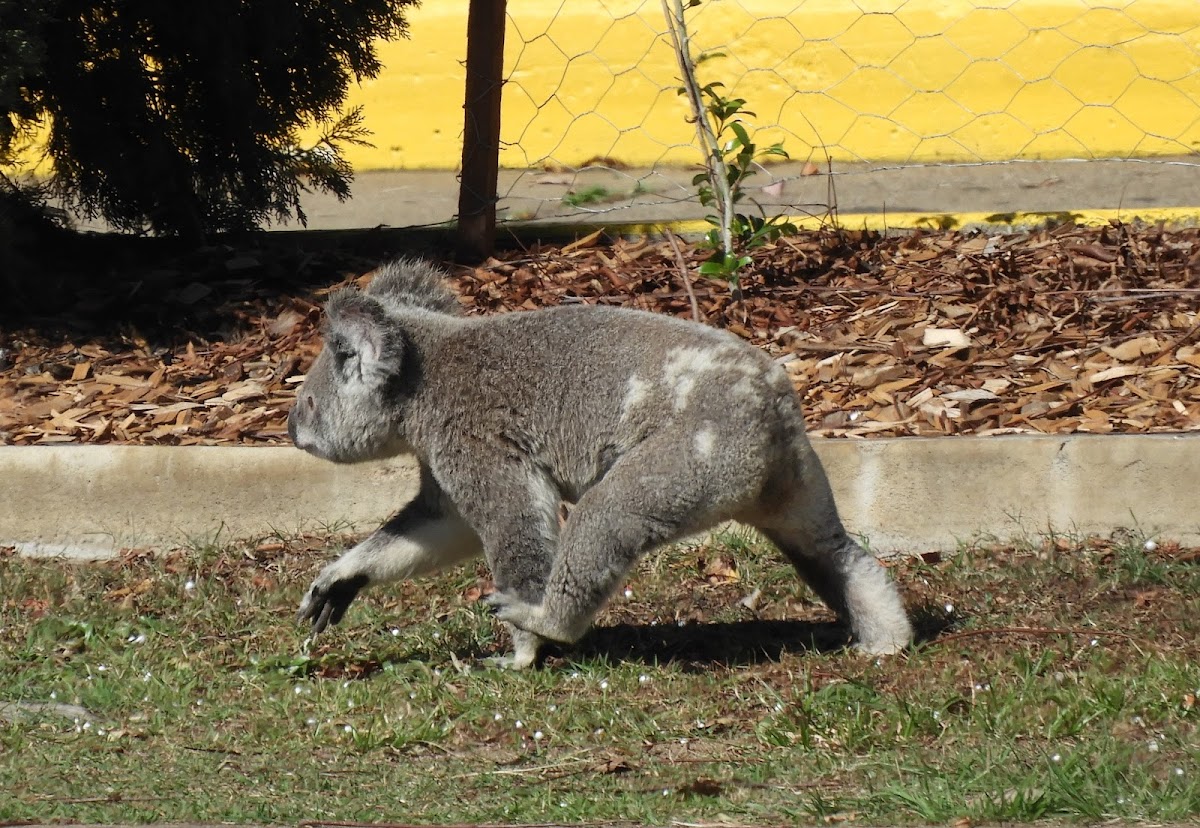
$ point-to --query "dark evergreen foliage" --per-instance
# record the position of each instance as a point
(185, 118)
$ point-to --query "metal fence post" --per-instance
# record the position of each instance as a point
(481, 129)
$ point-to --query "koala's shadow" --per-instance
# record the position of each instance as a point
(728, 644)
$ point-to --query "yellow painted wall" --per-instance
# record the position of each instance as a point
(871, 80)
(880, 80)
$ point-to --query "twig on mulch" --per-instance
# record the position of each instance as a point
(683, 274)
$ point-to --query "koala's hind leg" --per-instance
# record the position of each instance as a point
(426, 535)
(804, 524)
(650, 497)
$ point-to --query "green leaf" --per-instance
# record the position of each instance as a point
(740, 132)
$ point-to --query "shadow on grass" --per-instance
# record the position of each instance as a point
(731, 644)
(726, 644)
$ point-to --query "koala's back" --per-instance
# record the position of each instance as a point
(574, 387)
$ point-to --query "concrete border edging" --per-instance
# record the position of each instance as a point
(902, 495)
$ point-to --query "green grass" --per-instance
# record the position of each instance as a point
(1059, 682)
(596, 194)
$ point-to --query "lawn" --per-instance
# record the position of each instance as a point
(1057, 678)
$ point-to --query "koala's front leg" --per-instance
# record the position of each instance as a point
(515, 509)
(426, 535)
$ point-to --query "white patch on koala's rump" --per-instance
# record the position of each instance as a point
(704, 441)
(636, 392)
(684, 369)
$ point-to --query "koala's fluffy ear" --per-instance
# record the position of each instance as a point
(360, 329)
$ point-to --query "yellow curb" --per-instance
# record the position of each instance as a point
(1169, 216)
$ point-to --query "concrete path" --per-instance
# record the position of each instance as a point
(897, 196)
(902, 495)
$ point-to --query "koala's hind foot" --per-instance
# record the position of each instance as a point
(854, 584)
(534, 619)
(806, 528)
(525, 651)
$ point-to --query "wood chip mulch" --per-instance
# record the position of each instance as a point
(1059, 330)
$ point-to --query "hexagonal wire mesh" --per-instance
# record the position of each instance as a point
(860, 93)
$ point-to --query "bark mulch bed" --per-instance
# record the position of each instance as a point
(1059, 330)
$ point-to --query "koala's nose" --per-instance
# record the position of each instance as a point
(292, 426)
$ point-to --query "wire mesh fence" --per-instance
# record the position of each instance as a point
(862, 95)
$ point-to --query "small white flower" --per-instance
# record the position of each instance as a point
(54, 694)
(311, 722)
(498, 717)
(348, 728)
(102, 668)
(949, 609)
(628, 592)
(395, 631)
(643, 679)
(1179, 772)
(537, 735)
(604, 684)
(518, 724)
(189, 585)
(598, 731)
(1150, 546)
(1056, 758)
(1152, 746)
(552, 708)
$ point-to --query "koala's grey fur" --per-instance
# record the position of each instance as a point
(655, 428)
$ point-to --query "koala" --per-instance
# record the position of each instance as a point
(651, 427)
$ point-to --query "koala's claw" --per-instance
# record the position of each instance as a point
(327, 601)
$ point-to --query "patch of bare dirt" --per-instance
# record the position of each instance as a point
(1059, 330)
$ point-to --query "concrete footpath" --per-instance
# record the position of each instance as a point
(1002, 195)
(902, 495)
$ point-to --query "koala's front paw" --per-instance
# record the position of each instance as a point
(328, 598)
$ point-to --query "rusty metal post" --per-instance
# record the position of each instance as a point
(481, 129)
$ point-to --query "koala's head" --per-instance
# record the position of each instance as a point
(344, 410)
